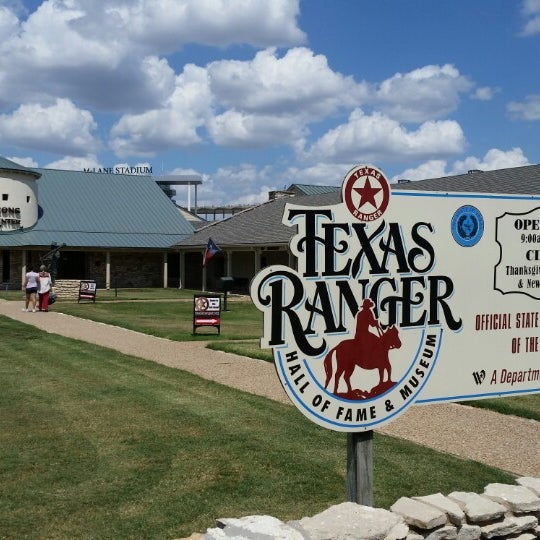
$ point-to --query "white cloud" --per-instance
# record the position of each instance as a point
(243, 184)
(376, 137)
(484, 93)
(434, 168)
(109, 55)
(422, 94)
(168, 24)
(300, 83)
(75, 163)
(233, 129)
(321, 174)
(493, 159)
(248, 104)
(174, 125)
(9, 24)
(531, 12)
(61, 128)
(24, 161)
(528, 109)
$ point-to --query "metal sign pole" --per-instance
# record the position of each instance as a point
(360, 467)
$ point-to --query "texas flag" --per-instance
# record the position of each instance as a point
(210, 251)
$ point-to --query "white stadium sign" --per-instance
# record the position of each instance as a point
(404, 297)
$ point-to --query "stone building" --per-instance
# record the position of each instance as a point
(116, 229)
(255, 238)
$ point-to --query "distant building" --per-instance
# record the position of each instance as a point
(256, 238)
(116, 229)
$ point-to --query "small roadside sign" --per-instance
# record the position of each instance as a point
(87, 291)
(206, 311)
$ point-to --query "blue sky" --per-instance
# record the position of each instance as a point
(254, 95)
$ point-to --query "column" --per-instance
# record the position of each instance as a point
(257, 260)
(165, 271)
(228, 263)
(107, 270)
(182, 270)
(292, 260)
(23, 266)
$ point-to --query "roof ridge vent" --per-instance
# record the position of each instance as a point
(474, 171)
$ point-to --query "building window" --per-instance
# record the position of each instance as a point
(5, 196)
(28, 199)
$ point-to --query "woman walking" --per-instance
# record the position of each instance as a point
(44, 288)
(31, 284)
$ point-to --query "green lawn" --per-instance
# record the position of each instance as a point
(96, 444)
(170, 315)
(170, 318)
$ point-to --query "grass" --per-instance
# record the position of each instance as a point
(169, 313)
(96, 444)
(248, 348)
(172, 318)
(526, 406)
(117, 294)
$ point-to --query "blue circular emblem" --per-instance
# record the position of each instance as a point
(467, 226)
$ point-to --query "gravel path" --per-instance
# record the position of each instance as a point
(505, 442)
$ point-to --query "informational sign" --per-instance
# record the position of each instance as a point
(87, 291)
(206, 311)
(403, 297)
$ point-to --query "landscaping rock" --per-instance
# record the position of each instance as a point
(418, 514)
(516, 498)
(351, 521)
(478, 509)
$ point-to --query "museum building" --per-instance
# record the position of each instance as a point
(256, 238)
(124, 231)
(115, 229)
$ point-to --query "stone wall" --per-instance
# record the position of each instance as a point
(128, 269)
(67, 288)
(501, 512)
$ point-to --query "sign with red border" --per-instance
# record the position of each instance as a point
(206, 311)
(87, 291)
(403, 297)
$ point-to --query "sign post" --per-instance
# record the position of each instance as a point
(360, 467)
(402, 297)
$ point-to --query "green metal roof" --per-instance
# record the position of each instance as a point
(8, 165)
(85, 209)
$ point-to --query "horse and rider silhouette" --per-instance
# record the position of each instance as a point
(366, 350)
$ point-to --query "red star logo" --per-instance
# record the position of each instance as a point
(367, 194)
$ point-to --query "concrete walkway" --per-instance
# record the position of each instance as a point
(505, 442)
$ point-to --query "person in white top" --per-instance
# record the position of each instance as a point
(31, 284)
(44, 288)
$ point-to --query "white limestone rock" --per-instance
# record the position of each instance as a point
(451, 508)
(478, 509)
(448, 532)
(418, 514)
(349, 520)
(524, 536)
(500, 528)
(517, 498)
(252, 528)
(525, 523)
(469, 532)
(398, 532)
(531, 483)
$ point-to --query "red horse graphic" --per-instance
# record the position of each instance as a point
(368, 352)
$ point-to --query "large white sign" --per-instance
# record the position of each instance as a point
(404, 297)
